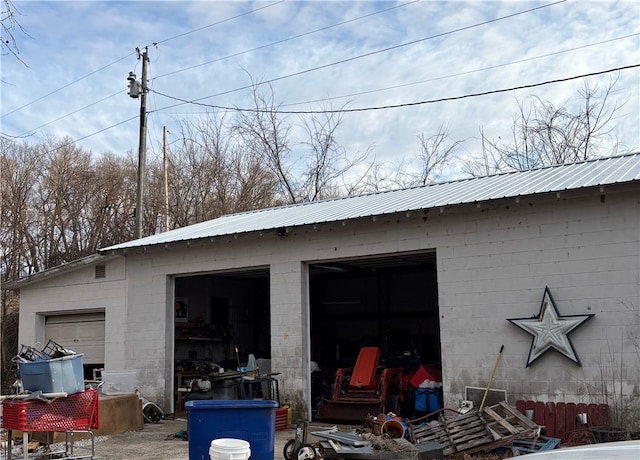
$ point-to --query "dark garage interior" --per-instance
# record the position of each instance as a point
(389, 302)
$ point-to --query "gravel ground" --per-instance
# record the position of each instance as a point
(158, 441)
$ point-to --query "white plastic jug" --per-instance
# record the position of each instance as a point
(229, 449)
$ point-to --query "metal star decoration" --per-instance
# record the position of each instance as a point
(551, 330)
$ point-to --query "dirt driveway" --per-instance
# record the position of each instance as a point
(159, 442)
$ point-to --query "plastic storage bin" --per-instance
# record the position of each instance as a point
(58, 375)
(118, 382)
(251, 420)
(428, 399)
(426, 372)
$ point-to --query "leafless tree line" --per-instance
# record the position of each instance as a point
(543, 134)
(60, 202)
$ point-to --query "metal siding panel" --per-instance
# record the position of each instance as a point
(603, 171)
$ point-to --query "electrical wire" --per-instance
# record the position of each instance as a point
(219, 22)
(322, 29)
(407, 104)
(444, 77)
(372, 53)
(458, 74)
(30, 132)
(368, 108)
(432, 101)
(129, 55)
(66, 86)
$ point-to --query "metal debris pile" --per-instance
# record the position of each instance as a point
(448, 434)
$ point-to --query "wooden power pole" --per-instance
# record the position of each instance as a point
(142, 145)
(166, 179)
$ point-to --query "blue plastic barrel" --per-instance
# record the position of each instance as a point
(252, 420)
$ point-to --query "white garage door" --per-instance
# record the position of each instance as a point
(82, 333)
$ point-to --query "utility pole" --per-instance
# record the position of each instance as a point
(140, 89)
(166, 179)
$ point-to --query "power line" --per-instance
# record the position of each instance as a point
(129, 55)
(219, 22)
(31, 131)
(92, 134)
(66, 86)
(443, 77)
(459, 74)
(372, 53)
(294, 37)
(408, 104)
(220, 59)
(432, 101)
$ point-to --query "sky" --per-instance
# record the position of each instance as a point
(388, 62)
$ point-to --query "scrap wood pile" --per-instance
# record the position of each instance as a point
(494, 427)
(462, 436)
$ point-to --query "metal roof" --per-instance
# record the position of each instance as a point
(590, 173)
(64, 268)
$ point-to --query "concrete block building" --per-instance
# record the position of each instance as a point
(544, 262)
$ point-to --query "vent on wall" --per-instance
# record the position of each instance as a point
(101, 271)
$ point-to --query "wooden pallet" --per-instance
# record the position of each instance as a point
(456, 434)
(508, 423)
(497, 426)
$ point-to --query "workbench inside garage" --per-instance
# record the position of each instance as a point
(230, 385)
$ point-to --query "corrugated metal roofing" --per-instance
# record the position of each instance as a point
(591, 173)
(64, 268)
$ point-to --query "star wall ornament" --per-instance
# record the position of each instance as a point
(551, 330)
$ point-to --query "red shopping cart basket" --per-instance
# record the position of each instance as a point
(77, 411)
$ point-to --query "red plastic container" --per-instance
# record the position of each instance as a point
(426, 372)
(281, 419)
(78, 411)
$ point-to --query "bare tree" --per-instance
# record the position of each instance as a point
(266, 134)
(309, 168)
(377, 177)
(20, 165)
(436, 152)
(327, 162)
(543, 134)
(60, 205)
(213, 173)
(109, 214)
(10, 26)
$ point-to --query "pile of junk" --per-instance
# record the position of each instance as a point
(370, 395)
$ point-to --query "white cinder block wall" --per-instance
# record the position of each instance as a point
(76, 292)
(497, 265)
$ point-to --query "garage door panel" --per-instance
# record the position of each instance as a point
(82, 333)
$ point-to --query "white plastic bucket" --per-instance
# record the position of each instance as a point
(229, 449)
